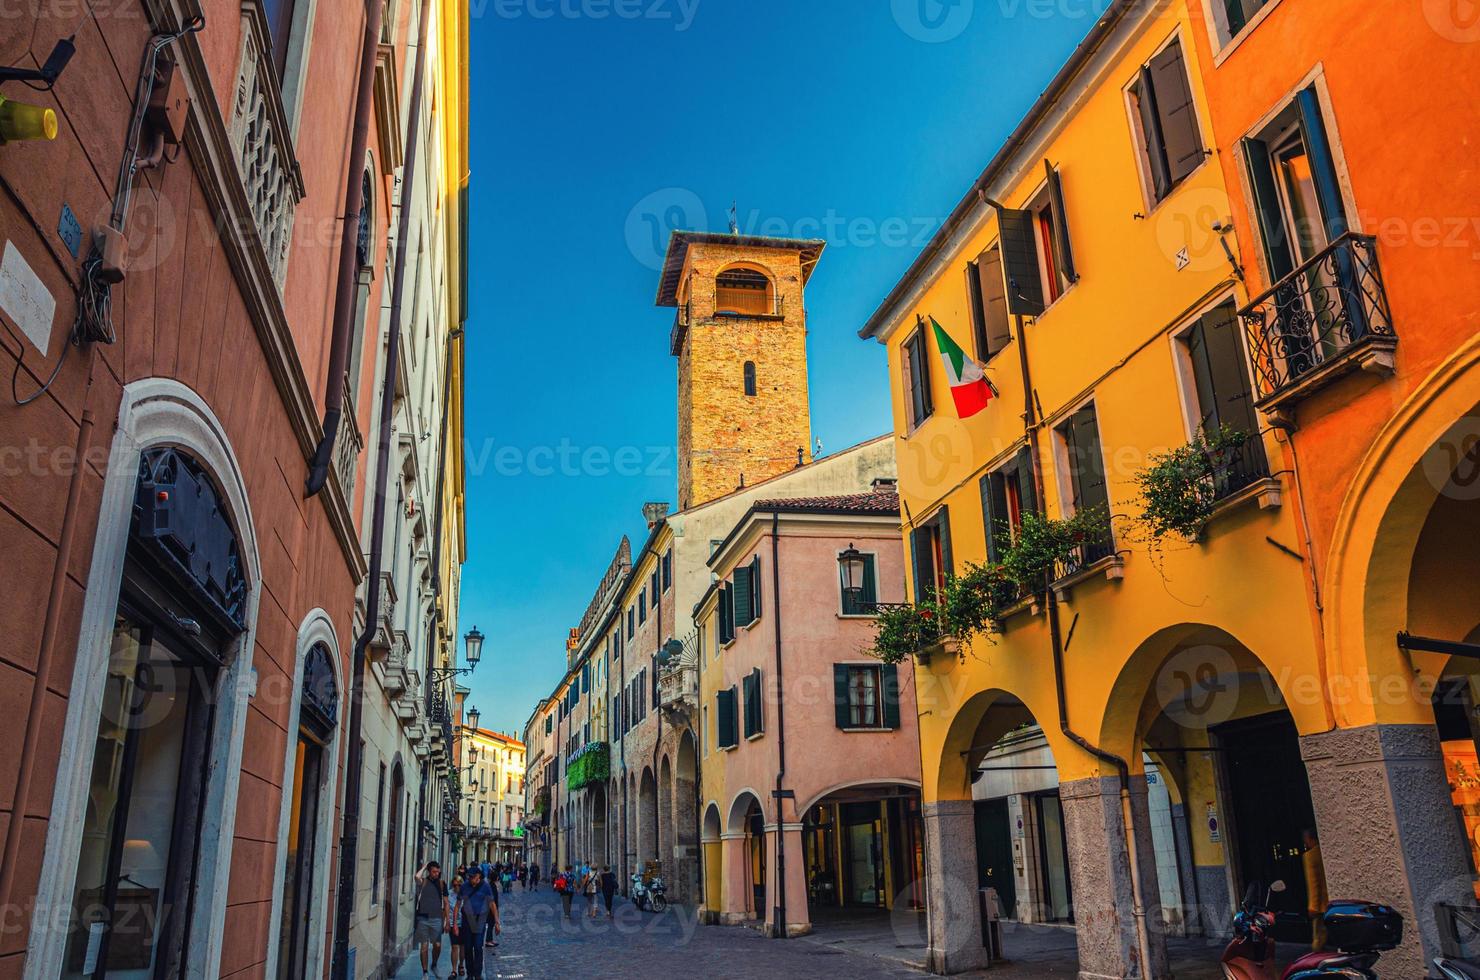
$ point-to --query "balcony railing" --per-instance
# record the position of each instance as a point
(264, 147)
(1084, 556)
(1239, 466)
(1332, 304)
(730, 301)
(348, 446)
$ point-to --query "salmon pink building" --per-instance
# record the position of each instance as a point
(810, 762)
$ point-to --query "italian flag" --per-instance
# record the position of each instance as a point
(969, 386)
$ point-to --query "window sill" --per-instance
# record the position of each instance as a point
(1153, 206)
(1112, 567)
(862, 616)
(756, 737)
(730, 315)
(1267, 492)
(866, 731)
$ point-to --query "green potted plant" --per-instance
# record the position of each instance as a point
(1178, 490)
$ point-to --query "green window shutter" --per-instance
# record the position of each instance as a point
(1267, 207)
(889, 694)
(841, 713)
(755, 588)
(725, 705)
(1020, 262)
(1027, 489)
(944, 522)
(1181, 139)
(924, 567)
(726, 614)
(1156, 153)
(870, 584)
(741, 599)
(754, 712)
(993, 489)
(1322, 164)
(978, 312)
(1086, 465)
(1062, 250)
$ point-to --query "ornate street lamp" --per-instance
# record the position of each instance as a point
(473, 642)
(851, 569)
(473, 716)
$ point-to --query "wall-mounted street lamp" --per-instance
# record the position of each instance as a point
(473, 652)
(851, 570)
(473, 716)
(21, 120)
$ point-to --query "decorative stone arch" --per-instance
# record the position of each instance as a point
(1377, 528)
(739, 807)
(647, 816)
(745, 289)
(153, 412)
(317, 629)
(984, 718)
(713, 824)
(911, 782)
(666, 837)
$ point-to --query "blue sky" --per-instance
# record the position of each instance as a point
(861, 121)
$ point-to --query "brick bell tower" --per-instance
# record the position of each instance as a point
(740, 336)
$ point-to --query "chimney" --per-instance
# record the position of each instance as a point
(885, 484)
(653, 513)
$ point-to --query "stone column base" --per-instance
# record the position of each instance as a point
(1388, 830)
(953, 918)
(1099, 863)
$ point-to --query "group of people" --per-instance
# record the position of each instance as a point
(465, 909)
(586, 880)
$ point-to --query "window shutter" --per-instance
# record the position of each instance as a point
(1267, 206)
(924, 570)
(1027, 489)
(1156, 153)
(741, 598)
(889, 694)
(943, 520)
(753, 712)
(994, 300)
(755, 588)
(726, 614)
(1208, 418)
(1230, 377)
(1020, 262)
(978, 311)
(1322, 164)
(993, 490)
(841, 712)
(1181, 139)
(1063, 252)
(870, 585)
(1086, 462)
(725, 703)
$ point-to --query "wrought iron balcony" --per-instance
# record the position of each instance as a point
(1240, 466)
(1328, 317)
(678, 677)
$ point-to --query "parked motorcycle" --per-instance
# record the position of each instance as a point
(1360, 932)
(649, 896)
(1456, 969)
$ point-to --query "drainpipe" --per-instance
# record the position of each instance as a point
(1056, 639)
(658, 739)
(344, 289)
(780, 793)
(29, 755)
(622, 751)
(350, 833)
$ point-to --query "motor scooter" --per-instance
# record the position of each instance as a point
(649, 897)
(1360, 931)
(1456, 969)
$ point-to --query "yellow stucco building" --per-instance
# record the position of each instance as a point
(1087, 271)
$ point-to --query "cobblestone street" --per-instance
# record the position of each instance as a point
(536, 943)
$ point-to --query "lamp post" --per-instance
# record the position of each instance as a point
(473, 652)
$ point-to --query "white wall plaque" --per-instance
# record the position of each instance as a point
(25, 299)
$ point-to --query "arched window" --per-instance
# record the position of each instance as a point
(750, 378)
(745, 292)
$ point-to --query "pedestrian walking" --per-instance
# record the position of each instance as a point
(524, 877)
(565, 887)
(608, 888)
(477, 911)
(433, 915)
(508, 879)
(455, 890)
(488, 930)
(534, 876)
(589, 887)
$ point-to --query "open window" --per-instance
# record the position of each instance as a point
(1083, 480)
(1219, 395)
(743, 291)
(915, 370)
(1230, 17)
(930, 551)
(987, 294)
(1165, 121)
(1007, 494)
(749, 374)
(1037, 260)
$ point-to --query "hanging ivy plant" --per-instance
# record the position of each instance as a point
(974, 603)
(1044, 543)
(904, 630)
(1179, 489)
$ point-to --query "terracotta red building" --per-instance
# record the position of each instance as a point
(183, 302)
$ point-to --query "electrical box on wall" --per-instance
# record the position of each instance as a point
(168, 103)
